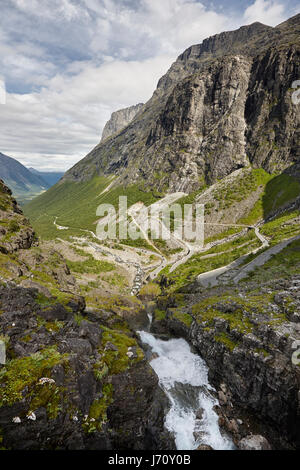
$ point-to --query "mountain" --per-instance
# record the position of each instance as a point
(50, 177)
(216, 110)
(224, 105)
(222, 130)
(24, 184)
(119, 120)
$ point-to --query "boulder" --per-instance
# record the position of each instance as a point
(255, 442)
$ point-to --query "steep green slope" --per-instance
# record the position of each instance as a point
(75, 205)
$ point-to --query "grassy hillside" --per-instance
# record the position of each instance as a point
(75, 205)
(252, 196)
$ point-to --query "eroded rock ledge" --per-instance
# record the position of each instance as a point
(247, 341)
(74, 381)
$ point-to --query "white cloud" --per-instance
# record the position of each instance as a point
(269, 12)
(51, 8)
(60, 124)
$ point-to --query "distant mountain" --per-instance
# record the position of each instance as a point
(24, 184)
(50, 177)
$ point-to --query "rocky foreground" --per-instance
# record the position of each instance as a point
(72, 379)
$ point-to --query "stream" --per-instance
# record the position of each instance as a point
(183, 376)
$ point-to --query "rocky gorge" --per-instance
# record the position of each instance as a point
(248, 338)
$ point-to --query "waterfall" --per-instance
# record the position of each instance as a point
(183, 376)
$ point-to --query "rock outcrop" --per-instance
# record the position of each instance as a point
(248, 341)
(120, 119)
(15, 230)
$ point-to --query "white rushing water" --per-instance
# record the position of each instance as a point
(184, 378)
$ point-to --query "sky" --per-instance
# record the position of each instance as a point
(68, 64)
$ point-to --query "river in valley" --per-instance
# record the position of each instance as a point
(183, 376)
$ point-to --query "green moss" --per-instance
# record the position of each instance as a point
(262, 351)
(208, 311)
(98, 410)
(183, 317)
(116, 361)
(159, 315)
(13, 226)
(26, 338)
(48, 396)
(227, 341)
(25, 372)
(78, 318)
(64, 298)
(54, 326)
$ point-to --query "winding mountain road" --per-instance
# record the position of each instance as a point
(212, 278)
(261, 259)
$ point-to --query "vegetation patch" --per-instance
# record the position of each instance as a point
(23, 373)
(90, 266)
(227, 341)
(116, 359)
(98, 410)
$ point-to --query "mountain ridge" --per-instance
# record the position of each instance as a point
(131, 153)
(50, 177)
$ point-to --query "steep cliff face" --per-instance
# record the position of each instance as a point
(224, 104)
(120, 119)
(272, 119)
(202, 127)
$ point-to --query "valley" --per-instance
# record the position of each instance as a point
(149, 342)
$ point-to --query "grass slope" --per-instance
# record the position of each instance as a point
(75, 205)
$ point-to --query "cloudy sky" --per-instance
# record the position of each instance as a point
(67, 64)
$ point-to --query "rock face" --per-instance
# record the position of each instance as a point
(120, 119)
(248, 341)
(223, 105)
(70, 379)
(15, 230)
(58, 393)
